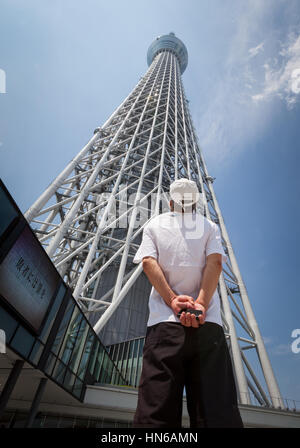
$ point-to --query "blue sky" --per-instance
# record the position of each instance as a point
(69, 64)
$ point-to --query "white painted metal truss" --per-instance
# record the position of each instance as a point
(148, 142)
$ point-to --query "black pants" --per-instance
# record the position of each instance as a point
(198, 358)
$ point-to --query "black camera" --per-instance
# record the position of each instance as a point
(192, 311)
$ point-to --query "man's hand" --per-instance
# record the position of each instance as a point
(189, 320)
(182, 302)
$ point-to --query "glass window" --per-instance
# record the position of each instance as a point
(78, 388)
(118, 352)
(111, 351)
(120, 356)
(59, 372)
(99, 360)
(93, 357)
(86, 354)
(130, 358)
(22, 342)
(133, 380)
(69, 380)
(115, 378)
(7, 323)
(36, 352)
(106, 371)
(142, 343)
(102, 376)
(7, 212)
(79, 345)
(51, 317)
(50, 364)
(63, 326)
(139, 371)
(71, 336)
(126, 364)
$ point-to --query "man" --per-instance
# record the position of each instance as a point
(182, 256)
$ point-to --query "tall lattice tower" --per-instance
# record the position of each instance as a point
(91, 217)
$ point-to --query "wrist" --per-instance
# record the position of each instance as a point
(199, 302)
(172, 300)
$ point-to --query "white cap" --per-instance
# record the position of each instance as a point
(184, 190)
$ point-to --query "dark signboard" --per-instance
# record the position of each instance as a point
(28, 279)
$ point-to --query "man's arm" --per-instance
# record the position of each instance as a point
(157, 279)
(210, 278)
(209, 283)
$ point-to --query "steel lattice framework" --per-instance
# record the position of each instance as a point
(148, 142)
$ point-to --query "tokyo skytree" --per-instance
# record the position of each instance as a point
(90, 219)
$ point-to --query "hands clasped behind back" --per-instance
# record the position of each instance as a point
(182, 302)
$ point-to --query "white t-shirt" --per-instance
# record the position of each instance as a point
(180, 243)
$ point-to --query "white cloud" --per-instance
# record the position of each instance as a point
(281, 350)
(282, 77)
(267, 340)
(254, 51)
(258, 97)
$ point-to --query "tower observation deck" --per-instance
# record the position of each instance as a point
(172, 44)
(91, 217)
